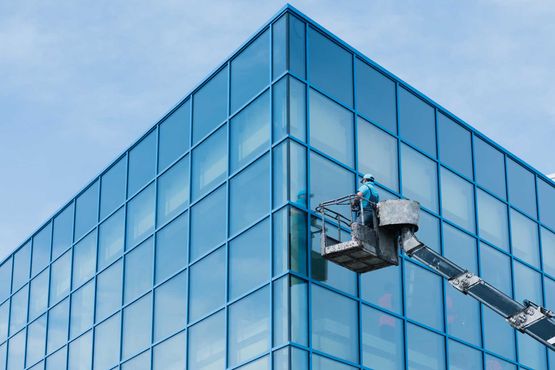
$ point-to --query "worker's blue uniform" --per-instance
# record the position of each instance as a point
(369, 194)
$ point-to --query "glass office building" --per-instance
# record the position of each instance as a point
(198, 248)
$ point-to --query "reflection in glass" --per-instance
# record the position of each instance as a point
(16, 351)
(171, 248)
(546, 195)
(80, 353)
(250, 132)
(170, 354)
(137, 326)
(382, 340)
(290, 358)
(207, 341)
(498, 336)
(457, 200)
(249, 259)
(290, 311)
(63, 231)
(86, 210)
(428, 231)
(142, 163)
(210, 105)
(58, 360)
(107, 343)
(209, 163)
(138, 271)
(426, 350)
(383, 288)
(289, 108)
(84, 259)
(38, 298)
(174, 135)
(4, 316)
(5, 279)
(331, 128)
(334, 324)
(493, 224)
(248, 203)
(462, 357)
(140, 216)
(490, 167)
(21, 266)
(111, 234)
(250, 71)
(548, 249)
(330, 67)
(207, 285)
(417, 122)
(524, 238)
(527, 284)
(324, 363)
(531, 353)
(498, 364)
(108, 291)
(173, 191)
(455, 147)
(41, 249)
(58, 325)
(36, 340)
(419, 178)
(82, 310)
(249, 327)
(112, 187)
(522, 188)
(60, 274)
(140, 362)
(170, 307)
(208, 223)
(377, 154)
(423, 296)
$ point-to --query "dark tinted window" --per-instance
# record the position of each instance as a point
(454, 145)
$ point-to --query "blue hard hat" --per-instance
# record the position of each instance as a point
(368, 177)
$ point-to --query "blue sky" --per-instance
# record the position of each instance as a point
(80, 81)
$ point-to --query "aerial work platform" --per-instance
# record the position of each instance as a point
(377, 244)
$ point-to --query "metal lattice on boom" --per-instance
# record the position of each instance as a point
(394, 225)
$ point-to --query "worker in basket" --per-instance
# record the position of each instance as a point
(366, 198)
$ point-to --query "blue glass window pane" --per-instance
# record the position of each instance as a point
(3, 355)
(36, 340)
(86, 210)
(174, 135)
(141, 362)
(170, 307)
(250, 71)
(426, 350)
(326, 271)
(496, 268)
(280, 160)
(82, 309)
(524, 238)
(58, 325)
(249, 259)
(331, 128)
(330, 67)
(522, 188)
(377, 154)
(208, 223)
(463, 312)
(21, 266)
(498, 336)
(548, 249)
(138, 271)
(210, 105)
(527, 284)
(250, 132)
(106, 343)
(382, 340)
(260, 364)
(84, 259)
(63, 231)
(280, 109)
(5, 279)
(457, 200)
(137, 326)
(497, 364)
(80, 353)
(4, 317)
(142, 163)
(428, 231)
(171, 354)
(383, 288)
(112, 187)
(209, 163)
(60, 278)
(58, 360)
(531, 353)
(111, 236)
(207, 285)
(324, 363)
(249, 327)
(490, 167)
(18, 316)
(16, 352)
(492, 218)
(462, 357)
(173, 191)
(338, 181)
(171, 248)
(334, 324)
(419, 178)
(455, 147)
(290, 241)
(297, 47)
(290, 305)
(108, 291)
(289, 358)
(140, 216)
(423, 296)
(417, 122)
(38, 297)
(289, 174)
(375, 96)
(207, 343)
(546, 195)
(289, 109)
(248, 203)
(279, 46)
(41, 249)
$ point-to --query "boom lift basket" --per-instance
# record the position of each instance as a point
(370, 248)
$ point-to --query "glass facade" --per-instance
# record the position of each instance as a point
(198, 247)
